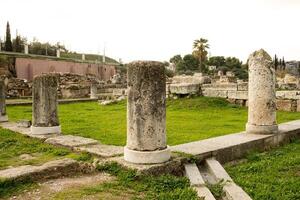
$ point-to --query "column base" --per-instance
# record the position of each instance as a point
(4, 118)
(261, 129)
(147, 157)
(38, 130)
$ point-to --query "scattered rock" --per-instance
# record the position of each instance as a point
(24, 123)
(26, 157)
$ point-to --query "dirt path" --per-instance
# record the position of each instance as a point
(48, 189)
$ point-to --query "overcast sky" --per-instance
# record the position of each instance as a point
(159, 29)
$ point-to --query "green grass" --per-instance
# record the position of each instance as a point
(13, 145)
(129, 185)
(187, 119)
(273, 175)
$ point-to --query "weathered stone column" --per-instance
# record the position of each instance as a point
(261, 94)
(3, 116)
(44, 106)
(146, 113)
(93, 93)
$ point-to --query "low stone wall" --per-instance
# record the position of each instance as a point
(287, 100)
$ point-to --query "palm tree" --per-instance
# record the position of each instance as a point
(200, 50)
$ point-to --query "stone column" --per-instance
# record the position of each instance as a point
(261, 94)
(146, 113)
(44, 106)
(94, 90)
(3, 116)
(26, 49)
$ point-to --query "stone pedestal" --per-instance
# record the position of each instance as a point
(93, 93)
(146, 114)
(44, 106)
(262, 98)
(3, 116)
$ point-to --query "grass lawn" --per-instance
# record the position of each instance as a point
(13, 145)
(130, 185)
(273, 175)
(187, 119)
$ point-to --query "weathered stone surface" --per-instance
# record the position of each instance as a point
(24, 123)
(234, 192)
(119, 91)
(71, 141)
(94, 90)
(3, 116)
(197, 78)
(261, 103)
(295, 94)
(284, 104)
(50, 169)
(102, 150)
(215, 93)
(217, 170)
(238, 95)
(45, 101)
(146, 108)
(146, 113)
(184, 88)
(223, 86)
(193, 174)
(203, 192)
(242, 86)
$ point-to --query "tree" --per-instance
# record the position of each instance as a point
(190, 62)
(217, 61)
(8, 43)
(175, 59)
(18, 44)
(200, 51)
(233, 62)
(283, 63)
(275, 62)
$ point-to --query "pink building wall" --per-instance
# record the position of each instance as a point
(27, 68)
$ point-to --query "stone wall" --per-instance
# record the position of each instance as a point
(27, 68)
(287, 100)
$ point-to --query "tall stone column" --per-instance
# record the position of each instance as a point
(3, 116)
(261, 94)
(44, 106)
(146, 113)
(94, 90)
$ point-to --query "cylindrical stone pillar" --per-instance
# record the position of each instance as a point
(44, 106)
(94, 90)
(261, 94)
(146, 113)
(3, 116)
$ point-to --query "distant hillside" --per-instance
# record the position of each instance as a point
(88, 57)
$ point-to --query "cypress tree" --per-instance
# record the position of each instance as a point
(8, 43)
(17, 45)
(276, 62)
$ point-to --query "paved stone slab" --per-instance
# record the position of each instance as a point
(102, 150)
(193, 174)
(213, 144)
(216, 169)
(234, 192)
(203, 191)
(173, 166)
(71, 141)
(50, 169)
(238, 143)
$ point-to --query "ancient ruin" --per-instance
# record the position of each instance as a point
(3, 116)
(262, 99)
(146, 114)
(44, 106)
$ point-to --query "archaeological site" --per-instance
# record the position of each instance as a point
(176, 120)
